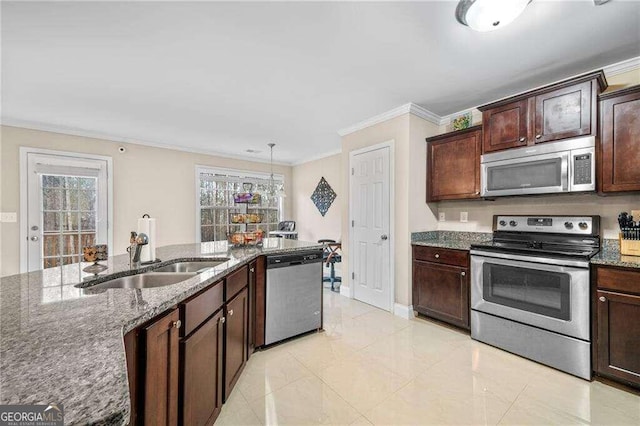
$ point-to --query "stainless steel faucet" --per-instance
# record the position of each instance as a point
(137, 241)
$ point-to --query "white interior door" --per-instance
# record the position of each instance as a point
(66, 207)
(370, 214)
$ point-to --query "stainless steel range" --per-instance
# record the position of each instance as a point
(530, 289)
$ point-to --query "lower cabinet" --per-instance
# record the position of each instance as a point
(236, 339)
(202, 373)
(617, 339)
(184, 364)
(161, 371)
(441, 284)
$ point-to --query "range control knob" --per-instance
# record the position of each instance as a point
(503, 223)
(568, 225)
(583, 225)
(513, 223)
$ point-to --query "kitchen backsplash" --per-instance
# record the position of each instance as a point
(480, 213)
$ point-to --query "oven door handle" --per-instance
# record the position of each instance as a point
(583, 264)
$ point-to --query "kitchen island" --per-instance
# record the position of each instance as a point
(60, 343)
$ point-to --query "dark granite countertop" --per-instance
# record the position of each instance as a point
(59, 343)
(449, 239)
(609, 254)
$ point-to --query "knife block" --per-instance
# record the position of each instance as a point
(629, 247)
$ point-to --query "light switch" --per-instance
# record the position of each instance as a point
(464, 216)
(441, 216)
(8, 217)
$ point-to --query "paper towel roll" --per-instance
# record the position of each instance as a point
(147, 225)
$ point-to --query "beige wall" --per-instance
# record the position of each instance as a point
(310, 224)
(151, 180)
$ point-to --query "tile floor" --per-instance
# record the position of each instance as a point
(370, 367)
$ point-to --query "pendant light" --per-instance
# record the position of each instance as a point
(489, 15)
(272, 184)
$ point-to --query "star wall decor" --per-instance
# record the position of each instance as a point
(323, 196)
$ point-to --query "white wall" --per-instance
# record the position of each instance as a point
(310, 224)
(151, 180)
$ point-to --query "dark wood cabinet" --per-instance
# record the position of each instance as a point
(559, 111)
(453, 165)
(620, 140)
(564, 113)
(236, 339)
(183, 364)
(441, 284)
(162, 370)
(617, 331)
(505, 127)
(202, 374)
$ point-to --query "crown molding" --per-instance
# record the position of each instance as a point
(54, 128)
(622, 67)
(425, 114)
(409, 108)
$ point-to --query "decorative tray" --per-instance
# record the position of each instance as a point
(246, 198)
(246, 218)
(246, 238)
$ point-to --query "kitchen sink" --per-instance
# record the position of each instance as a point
(195, 266)
(146, 280)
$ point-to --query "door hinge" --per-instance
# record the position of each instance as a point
(353, 223)
(353, 275)
(353, 171)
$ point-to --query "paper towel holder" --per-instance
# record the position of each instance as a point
(156, 260)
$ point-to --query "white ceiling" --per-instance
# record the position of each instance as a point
(227, 77)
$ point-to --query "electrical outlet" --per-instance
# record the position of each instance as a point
(441, 216)
(8, 217)
(464, 216)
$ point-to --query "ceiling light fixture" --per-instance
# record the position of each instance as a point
(489, 15)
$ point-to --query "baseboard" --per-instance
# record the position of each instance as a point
(403, 311)
(344, 291)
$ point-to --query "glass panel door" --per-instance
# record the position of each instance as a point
(66, 208)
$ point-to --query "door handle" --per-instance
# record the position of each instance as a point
(176, 324)
(34, 238)
(384, 237)
(231, 312)
(602, 299)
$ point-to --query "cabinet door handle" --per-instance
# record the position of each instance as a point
(522, 139)
(538, 136)
(252, 270)
(223, 320)
(602, 299)
(463, 273)
(437, 256)
(176, 324)
(231, 312)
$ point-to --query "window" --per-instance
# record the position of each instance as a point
(215, 190)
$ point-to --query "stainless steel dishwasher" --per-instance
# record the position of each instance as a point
(294, 295)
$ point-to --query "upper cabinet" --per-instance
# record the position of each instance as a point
(453, 165)
(620, 140)
(563, 110)
(505, 126)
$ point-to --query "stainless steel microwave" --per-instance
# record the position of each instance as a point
(553, 167)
